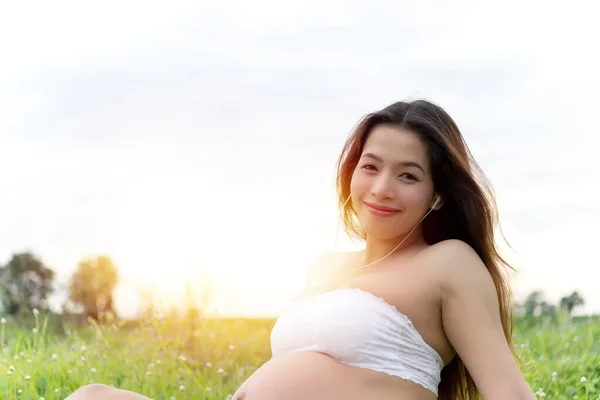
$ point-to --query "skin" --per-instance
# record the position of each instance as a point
(444, 289)
(469, 309)
(98, 391)
(382, 179)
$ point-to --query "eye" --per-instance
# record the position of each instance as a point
(408, 176)
(369, 167)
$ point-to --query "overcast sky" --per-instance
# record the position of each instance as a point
(210, 130)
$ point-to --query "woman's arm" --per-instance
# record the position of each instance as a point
(471, 320)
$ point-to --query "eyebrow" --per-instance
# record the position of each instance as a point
(402, 163)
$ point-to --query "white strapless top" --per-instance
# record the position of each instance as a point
(358, 329)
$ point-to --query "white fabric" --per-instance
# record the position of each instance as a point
(359, 329)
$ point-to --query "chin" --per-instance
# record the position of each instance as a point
(384, 236)
(380, 233)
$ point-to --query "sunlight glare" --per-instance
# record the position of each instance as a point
(176, 231)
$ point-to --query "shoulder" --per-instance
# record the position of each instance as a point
(472, 321)
(465, 283)
(458, 264)
(453, 248)
(460, 273)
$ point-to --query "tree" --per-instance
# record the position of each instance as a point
(532, 302)
(547, 309)
(92, 286)
(568, 303)
(27, 283)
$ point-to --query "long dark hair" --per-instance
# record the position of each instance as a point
(469, 212)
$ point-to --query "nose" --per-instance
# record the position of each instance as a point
(383, 188)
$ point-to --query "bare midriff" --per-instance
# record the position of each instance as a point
(316, 376)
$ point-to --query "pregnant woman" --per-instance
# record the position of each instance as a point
(424, 312)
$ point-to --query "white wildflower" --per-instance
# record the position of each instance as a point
(27, 377)
(54, 357)
(36, 312)
(209, 365)
(9, 372)
(220, 371)
(3, 321)
(181, 388)
(583, 379)
(93, 370)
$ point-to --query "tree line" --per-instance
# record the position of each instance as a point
(536, 305)
(26, 283)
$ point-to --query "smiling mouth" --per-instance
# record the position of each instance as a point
(381, 210)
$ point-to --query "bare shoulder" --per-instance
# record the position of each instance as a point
(457, 263)
(463, 277)
(452, 248)
(472, 323)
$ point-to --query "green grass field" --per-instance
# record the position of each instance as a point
(45, 358)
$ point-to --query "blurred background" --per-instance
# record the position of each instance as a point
(162, 153)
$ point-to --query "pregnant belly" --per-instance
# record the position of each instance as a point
(315, 376)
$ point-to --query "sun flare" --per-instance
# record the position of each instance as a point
(174, 232)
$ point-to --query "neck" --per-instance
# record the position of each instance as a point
(377, 248)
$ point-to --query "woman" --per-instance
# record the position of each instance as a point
(424, 312)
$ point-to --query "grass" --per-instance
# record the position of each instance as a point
(48, 358)
(561, 357)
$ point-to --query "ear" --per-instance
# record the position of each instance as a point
(438, 202)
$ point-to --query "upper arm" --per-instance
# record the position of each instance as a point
(472, 324)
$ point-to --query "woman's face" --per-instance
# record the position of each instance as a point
(391, 187)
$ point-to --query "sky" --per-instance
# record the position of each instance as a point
(196, 141)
